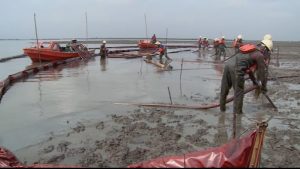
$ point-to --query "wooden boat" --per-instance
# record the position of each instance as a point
(52, 51)
(146, 44)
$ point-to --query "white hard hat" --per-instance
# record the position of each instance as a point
(104, 41)
(268, 43)
(239, 36)
(216, 39)
(200, 36)
(157, 43)
(268, 36)
(223, 37)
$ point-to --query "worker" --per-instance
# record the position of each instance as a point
(216, 46)
(199, 43)
(70, 46)
(222, 47)
(250, 59)
(205, 43)
(237, 43)
(153, 39)
(162, 51)
(103, 50)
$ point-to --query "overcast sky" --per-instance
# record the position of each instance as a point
(125, 18)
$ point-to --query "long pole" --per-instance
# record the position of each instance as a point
(166, 36)
(37, 39)
(180, 76)
(86, 29)
(170, 95)
(146, 26)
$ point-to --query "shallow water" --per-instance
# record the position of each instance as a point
(44, 102)
(52, 101)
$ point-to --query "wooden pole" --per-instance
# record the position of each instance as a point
(166, 36)
(181, 76)
(170, 95)
(277, 57)
(86, 29)
(146, 26)
(37, 39)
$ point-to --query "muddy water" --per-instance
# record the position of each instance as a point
(68, 115)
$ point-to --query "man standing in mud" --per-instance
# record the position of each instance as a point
(250, 59)
(216, 46)
(222, 47)
(103, 50)
(199, 43)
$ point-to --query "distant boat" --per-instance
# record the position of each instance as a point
(52, 51)
(146, 44)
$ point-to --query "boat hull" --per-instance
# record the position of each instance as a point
(146, 44)
(49, 55)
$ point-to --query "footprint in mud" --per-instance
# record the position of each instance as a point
(100, 125)
(56, 159)
(63, 146)
(48, 149)
(79, 128)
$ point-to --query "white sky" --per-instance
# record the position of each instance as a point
(125, 18)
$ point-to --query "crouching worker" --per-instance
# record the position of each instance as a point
(250, 59)
(162, 51)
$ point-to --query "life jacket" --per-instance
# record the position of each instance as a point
(247, 48)
(216, 43)
(222, 41)
(162, 50)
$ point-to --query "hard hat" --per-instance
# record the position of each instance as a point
(268, 36)
(104, 41)
(223, 37)
(216, 39)
(239, 36)
(157, 43)
(268, 43)
(200, 36)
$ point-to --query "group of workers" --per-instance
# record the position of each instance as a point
(251, 60)
(219, 45)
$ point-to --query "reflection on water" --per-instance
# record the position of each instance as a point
(103, 63)
(221, 135)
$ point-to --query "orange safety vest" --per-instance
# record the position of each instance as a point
(247, 48)
(222, 41)
(161, 50)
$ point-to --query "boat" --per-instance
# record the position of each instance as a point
(146, 44)
(52, 51)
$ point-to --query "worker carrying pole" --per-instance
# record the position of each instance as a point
(250, 59)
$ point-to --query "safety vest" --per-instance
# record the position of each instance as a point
(222, 41)
(247, 48)
(161, 50)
